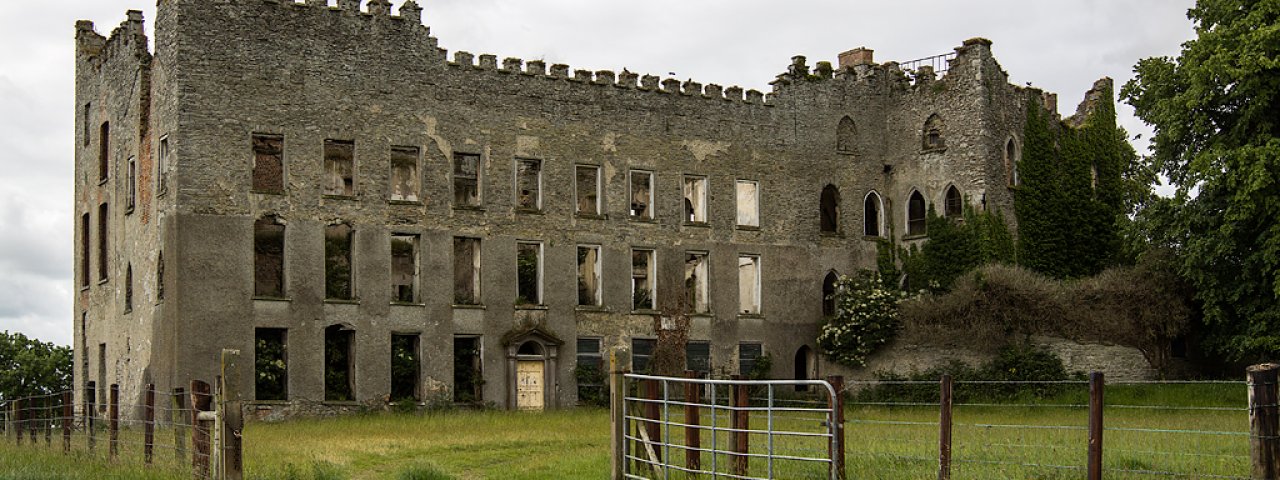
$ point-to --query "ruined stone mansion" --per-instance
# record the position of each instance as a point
(369, 218)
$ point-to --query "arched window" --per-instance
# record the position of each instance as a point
(1011, 163)
(932, 136)
(828, 293)
(915, 214)
(803, 366)
(846, 133)
(830, 209)
(871, 215)
(954, 206)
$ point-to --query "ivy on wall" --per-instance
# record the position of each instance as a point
(955, 247)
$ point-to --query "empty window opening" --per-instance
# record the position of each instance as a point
(84, 122)
(590, 373)
(747, 355)
(643, 279)
(641, 195)
(466, 271)
(339, 363)
(337, 262)
(846, 134)
(104, 150)
(466, 180)
(85, 247)
(829, 209)
(588, 189)
(404, 268)
(871, 215)
(404, 174)
(268, 163)
(954, 205)
(528, 273)
(162, 167)
(339, 167)
(695, 199)
(829, 293)
(748, 203)
(1011, 163)
(131, 187)
(641, 354)
(268, 257)
(528, 184)
(916, 214)
(803, 366)
(102, 242)
(749, 284)
(697, 357)
(467, 370)
(128, 288)
(933, 139)
(589, 275)
(695, 282)
(405, 367)
(271, 364)
(160, 276)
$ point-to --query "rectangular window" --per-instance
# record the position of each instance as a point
(131, 190)
(405, 367)
(271, 364)
(590, 373)
(85, 123)
(528, 184)
(528, 273)
(85, 247)
(588, 190)
(747, 355)
(404, 174)
(641, 354)
(466, 271)
(404, 268)
(339, 363)
(749, 284)
(102, 242)
(466, 180)
(268, 163)
(697, 357)
(748, 203)
(162, 167)
(268, 257)
(467, 370)
(337, 262)
(695, 199)
(695, 282)
(104, 150)
(339, 168)
(589, 275)
(641, 195)
(643, 279)
(102, 374)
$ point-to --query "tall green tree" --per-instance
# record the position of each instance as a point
(1215, 110)
(29, 367)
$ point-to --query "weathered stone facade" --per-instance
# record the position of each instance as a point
(225, 72)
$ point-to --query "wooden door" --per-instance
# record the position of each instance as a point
(529, 384)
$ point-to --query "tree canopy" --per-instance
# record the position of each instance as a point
(29, 367)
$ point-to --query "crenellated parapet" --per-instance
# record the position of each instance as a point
(129, 38)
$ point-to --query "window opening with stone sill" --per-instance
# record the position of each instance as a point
(405, 367)
(916, 208)
(466, 180)
(404, 174)
(271, 364)
(588, 190)
(641, 195)
(268, 163)
(749, 284)
(589, 271)
(468, 379)
(829, 209)
(528, 273)
(339, 364)
(696, 282)
(339, 168)
(695, 199)
(748, 195)
(466, 271)
(643, 279)
(528, 184)
(933, 135)
(872, 215)
(338, 278)
(404, 268)
(268, 257)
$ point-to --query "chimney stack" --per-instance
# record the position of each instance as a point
(857, 56)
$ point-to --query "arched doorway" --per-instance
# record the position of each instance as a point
(531, 366)
(804, 367)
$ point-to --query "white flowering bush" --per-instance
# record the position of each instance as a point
(866, 317)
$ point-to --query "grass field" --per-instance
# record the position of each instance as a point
(1013, 441)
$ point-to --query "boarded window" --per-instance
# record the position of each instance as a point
(466, 271)
(339, 363)
(131, 187)
(528, 273)
(643, 279)
(749, 284)
(467, 371)
(404, 174)
(695, 282)
(829, 209)
(697, 357)
(160, 276)
(748, 194)
(528, 184)
(162, 167)
(104, 150)
(128, 288)
(916, 209)
(405, 367)
(268, 257)
(268, 163)
(271, 364)
(588, 189)
(933, 138)
(590, 373)
(102, 241)
(641, 195)
(871, 216)
(466, 180)
(747, 355)
(846, 134)
(695, 199)
(954, 206)
(829, 293)
(641, 354)
(339, 167)
(337, 262)
(589, 275)
(404, 268)
(85, 247)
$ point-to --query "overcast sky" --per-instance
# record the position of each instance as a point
(1059, 45)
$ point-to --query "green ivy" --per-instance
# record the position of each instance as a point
(955, 247)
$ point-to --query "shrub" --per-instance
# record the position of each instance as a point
(1014, 363)
(866, 318)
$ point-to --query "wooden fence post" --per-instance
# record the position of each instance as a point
(113, 410)
(1096, 385)
(740, 421)
(692, 434)
(232, 415)
(652, 412)
(944, 429)
(1264, 421)
(837, 444)
(18, 413)
(149, 427)
(68, 410)
(619, 359)
(50, 413)
(201, 401)
(36, 414)
(179, 420)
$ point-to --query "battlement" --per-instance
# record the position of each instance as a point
(128, 37)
